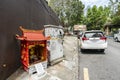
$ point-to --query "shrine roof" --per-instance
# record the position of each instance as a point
(32, 35)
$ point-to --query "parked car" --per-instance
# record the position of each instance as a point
(93, 40)
(79, 34)
(117, 36)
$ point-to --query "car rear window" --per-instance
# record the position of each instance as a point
(93, 34)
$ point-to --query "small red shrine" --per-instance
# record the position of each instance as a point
(33, 47)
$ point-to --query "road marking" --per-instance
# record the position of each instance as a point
(86, 75)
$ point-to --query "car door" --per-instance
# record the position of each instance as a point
(119, 36)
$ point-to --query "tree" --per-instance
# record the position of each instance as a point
(115, 9)
(96, 17)
(58, 7)
(70, 12)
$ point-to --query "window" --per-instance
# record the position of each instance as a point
(93, 34)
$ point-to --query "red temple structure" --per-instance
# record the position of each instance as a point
(33, 47)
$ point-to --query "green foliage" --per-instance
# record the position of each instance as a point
(70, 12)
(116, 20)
(96, 17)
(115, 11)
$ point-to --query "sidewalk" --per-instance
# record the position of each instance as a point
(65, 70)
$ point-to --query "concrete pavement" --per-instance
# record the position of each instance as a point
(67, 69)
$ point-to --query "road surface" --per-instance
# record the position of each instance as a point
(101, 66)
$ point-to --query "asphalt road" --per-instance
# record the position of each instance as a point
(101, 66)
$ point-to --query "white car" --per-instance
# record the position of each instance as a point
(117, 36)
(93, 40)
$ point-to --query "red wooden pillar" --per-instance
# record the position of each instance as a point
(24, 55)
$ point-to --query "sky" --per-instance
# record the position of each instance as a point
(95, 2)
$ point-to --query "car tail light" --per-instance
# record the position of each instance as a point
(84, 38)
(103, 38)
